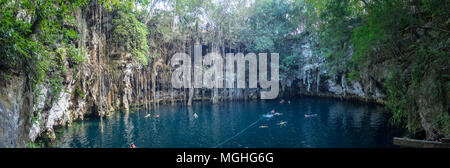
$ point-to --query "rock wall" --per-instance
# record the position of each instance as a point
(109, 80)
(15, 111)
(313, 78)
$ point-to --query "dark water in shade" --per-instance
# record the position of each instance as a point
(338, 124)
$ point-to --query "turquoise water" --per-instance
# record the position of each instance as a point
(341, 124)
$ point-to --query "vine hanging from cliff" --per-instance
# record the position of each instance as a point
(408, 37)
(130, 33)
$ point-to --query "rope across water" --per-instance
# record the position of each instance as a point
(242, 131)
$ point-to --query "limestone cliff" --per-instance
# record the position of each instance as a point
(109, 80)
(313, 79)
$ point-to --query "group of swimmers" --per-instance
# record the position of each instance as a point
(274, 113)
(270, 115)
(282, 123)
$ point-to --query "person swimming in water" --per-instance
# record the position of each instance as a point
(132, 145)
(282, 123)
(310, 115)
(195, 115)
(148, 115)
(277, 114)
(268, 115)
(263, 126)
(282, 101)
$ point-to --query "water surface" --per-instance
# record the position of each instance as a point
(341, 124)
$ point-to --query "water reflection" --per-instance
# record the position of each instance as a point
(337, 124)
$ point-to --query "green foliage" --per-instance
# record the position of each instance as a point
(124, 5)
(412, 37)
(413, 48)
(161, 35)
(79, 92)
(131, 33)
(442, 121)
(38, 144)
(268, 25)
(353, 75)
(28, 29)
(337, 20)
(273, 26)
(35, 118)
(29, 33)
(61, 54)
(77, 55)
(402, 105)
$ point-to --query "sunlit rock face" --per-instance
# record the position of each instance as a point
(313, 78)
(99, 86)
(15, 111)
(334, 88)
(109, 80)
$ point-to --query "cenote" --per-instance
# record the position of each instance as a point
(238, 124)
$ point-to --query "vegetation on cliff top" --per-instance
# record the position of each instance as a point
(37, 39)
(131, 33)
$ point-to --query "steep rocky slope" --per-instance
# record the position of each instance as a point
(109, 80)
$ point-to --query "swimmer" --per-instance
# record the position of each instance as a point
(268, 115)
(289, 102)
(148, 115)
(132, 145)
(195, 115)
(310, 115)
(273, 111)
(282, 101)
(282, 123)
(157, 115)
(277, 114)
(263, 126)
